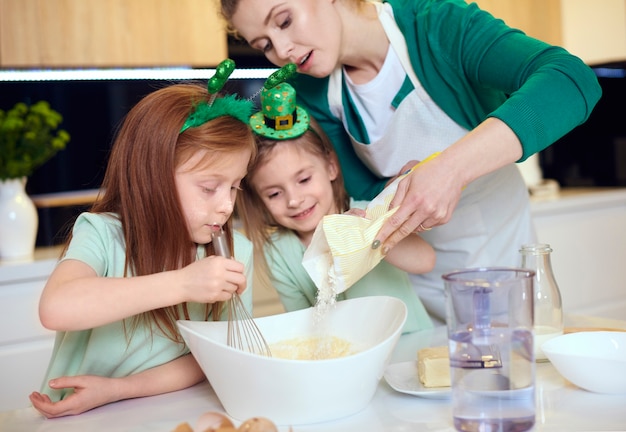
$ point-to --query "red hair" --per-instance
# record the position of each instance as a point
(139, 186)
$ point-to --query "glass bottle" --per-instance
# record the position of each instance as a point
(548, 309)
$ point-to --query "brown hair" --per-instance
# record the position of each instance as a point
(139, 186)
(257, 221)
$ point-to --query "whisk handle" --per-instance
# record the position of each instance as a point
(220, 243)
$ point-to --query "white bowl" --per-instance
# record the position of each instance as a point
(594, 361)
(296, 392)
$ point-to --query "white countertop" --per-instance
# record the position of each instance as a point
(568, 199)
(561, 406)
(40, 265)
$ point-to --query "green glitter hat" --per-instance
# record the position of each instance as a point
(280, 118)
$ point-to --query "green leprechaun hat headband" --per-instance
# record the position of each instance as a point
(280, 118)
(215, 107)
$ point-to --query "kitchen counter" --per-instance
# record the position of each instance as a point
(561, 406)
(586, 228)
(576, 198)
(25, 346)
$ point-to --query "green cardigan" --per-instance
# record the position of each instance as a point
(474, 67)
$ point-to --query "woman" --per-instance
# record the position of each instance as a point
(393, 82)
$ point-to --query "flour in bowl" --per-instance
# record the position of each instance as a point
(312, 348)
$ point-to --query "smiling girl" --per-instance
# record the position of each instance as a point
(293, 183)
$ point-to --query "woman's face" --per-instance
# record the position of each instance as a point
(296, 188)
(207, 192)
(304, 32)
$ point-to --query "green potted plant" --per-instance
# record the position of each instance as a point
(29, 137)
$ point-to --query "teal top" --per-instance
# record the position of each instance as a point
(105, 351)
(473, 66)
(297, 291)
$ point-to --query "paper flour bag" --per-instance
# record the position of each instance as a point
(340, 252)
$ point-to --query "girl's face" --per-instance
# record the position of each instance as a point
(304, 32)
(296, 188)
(207, 193)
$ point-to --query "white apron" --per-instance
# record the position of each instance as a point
(492, 219)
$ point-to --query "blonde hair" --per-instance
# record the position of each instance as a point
(257, 221)
(228, 8)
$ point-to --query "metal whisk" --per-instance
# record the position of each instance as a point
(243, 332)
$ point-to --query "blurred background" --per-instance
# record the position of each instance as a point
(107, 55)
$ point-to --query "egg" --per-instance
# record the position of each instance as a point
(257, 424)
(213, 421)
(183, 427)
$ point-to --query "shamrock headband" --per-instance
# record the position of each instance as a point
(217, 107)
(280, 118)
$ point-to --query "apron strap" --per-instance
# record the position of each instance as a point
(396, 39)
(335, 83)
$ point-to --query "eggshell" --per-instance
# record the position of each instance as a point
(257, 424)
(213, 422)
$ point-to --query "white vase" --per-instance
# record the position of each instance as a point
(18, 221)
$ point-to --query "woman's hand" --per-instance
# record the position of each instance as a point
(428, 196)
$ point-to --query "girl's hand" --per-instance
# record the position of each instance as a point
(213, 279)
(90, 391)
(356, 212)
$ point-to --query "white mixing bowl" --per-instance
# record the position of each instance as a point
(594, 361)
(296, 392)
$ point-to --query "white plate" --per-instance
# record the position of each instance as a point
(402, 377)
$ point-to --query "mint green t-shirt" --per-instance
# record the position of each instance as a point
(106, 351)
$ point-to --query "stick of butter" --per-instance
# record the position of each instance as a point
(433, 366)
